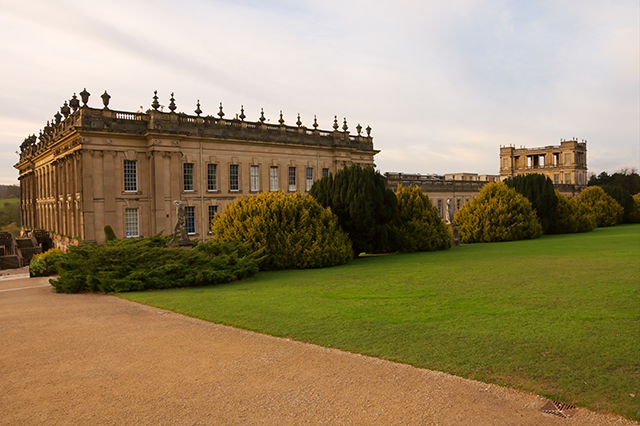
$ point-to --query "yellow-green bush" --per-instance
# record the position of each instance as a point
(573, 216)
(293, 231)
(417, 226)
(499, 213)
(607, 211)
(44, 264)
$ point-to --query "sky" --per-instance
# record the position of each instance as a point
(443, 84)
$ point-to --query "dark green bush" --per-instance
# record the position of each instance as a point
(499, 213)
(635, 214)
(148, 263)
(363, 204)
(623, 197)
(540, 192)
(417, 226)
(605, 209)
(573, 216)
(294, 230)
(44, 264)
(109, 235)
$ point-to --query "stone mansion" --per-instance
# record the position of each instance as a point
(90, 167)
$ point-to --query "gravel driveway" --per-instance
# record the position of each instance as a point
(91, 359)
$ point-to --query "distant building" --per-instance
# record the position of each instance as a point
(472, 177)
(92, 167)
(564, 164)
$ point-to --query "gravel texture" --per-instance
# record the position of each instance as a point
(92, 359)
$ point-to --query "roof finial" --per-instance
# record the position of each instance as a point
(315, 122)
(262, 115)
(65, 110)
(85, 96)
(57, 117)
(335, 123)
(172, 103)
(221, 113)
(359, 129)
(281, 121)
(74, 103)
(368, 129)
(105, 99)
(198, 111)
(242, 116)
(344, 126)
(155, 104)
(299, 123)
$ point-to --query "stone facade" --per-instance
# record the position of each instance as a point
(92, 167)
(564, 164)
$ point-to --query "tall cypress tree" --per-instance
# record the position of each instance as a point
(363, 204)
(540, 192)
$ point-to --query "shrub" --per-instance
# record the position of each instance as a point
(605, 209)
(363, 204)
(540, 192)
(499, 213)
(573, 216)
(44, 264)
(635, 214)
(294, 231)
(622, 196)
(148, 263)
(417, 226)
(109, 235)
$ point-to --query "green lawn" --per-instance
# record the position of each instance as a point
(559, 316)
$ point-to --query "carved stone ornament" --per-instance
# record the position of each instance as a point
(85, 140)
(107, 141)
(175, 143)
(157, 141)
(180, 236)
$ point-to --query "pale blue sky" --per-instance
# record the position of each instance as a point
(442, 84)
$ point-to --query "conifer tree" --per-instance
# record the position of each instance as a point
(363, 204)
(540, 192)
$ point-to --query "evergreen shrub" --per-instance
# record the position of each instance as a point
(44, 264)
(634, 217)
(294, 231)
(363, 204)
(109, 235)
(148, 263)
(573, 216)
(498, 213)
(606, 210)
(540, 192)
(417, 226)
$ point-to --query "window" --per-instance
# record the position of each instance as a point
(187, 177)
(529, 162)
(131, 222)
(556, 178)
(273, 178)
(309, 178)
(458, 204)
(556, 159)
(234, 183)
(292, 179)
(130, 176)
(567, 158)
(325, 172)
(440, 208)
(255, 178)
(505, 163)
(212, 177)
(567, 178)
(212, 212)
(190, 216)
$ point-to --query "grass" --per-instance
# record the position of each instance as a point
(559, 315)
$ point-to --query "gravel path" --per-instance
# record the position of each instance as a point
(91, 359)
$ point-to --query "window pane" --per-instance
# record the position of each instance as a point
(212, 177)
(309, 178)
(188, 176)
(255, 178)
(130, 176)
(440, 207)
(292, 179)
(325, 172)
(273, 178)
(234, 183)
(131, 222)
(190, 216)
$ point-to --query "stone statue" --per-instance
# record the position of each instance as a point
(449, 212)
(180, 228)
